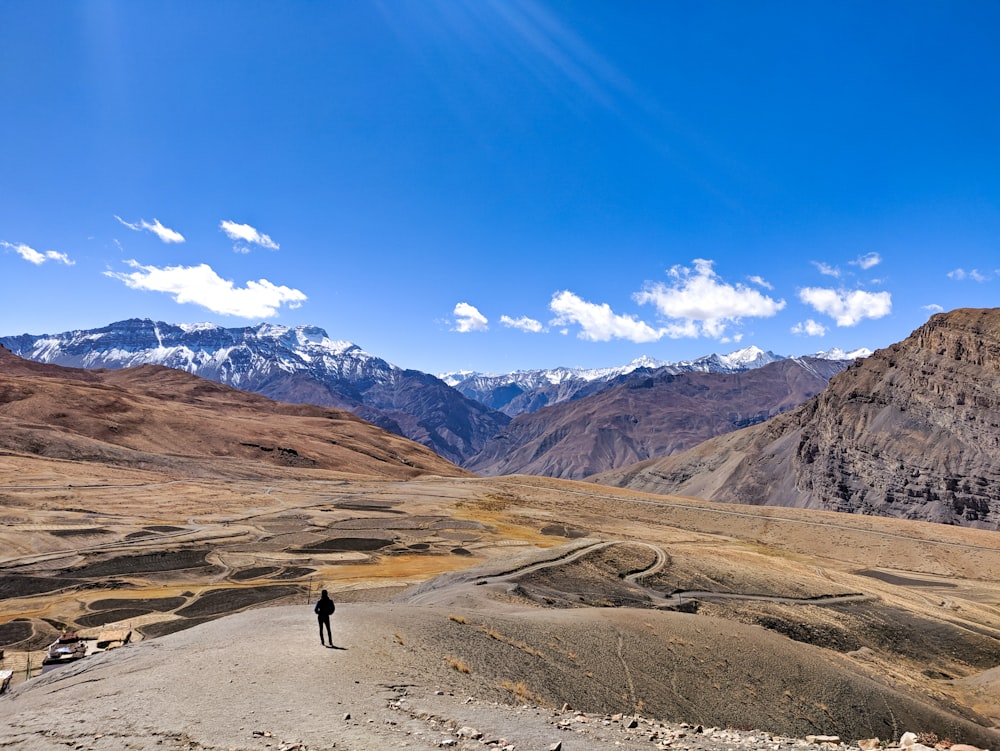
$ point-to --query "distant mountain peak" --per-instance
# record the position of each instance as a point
(838, 354)
(293, 364)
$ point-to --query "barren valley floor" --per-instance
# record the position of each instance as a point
(524, 589)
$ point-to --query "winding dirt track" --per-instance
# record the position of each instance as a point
(585, 547)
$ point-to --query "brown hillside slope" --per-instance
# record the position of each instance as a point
(912, 431)
(155, 418)
(644, 417)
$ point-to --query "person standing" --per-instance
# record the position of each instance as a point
(324, 609)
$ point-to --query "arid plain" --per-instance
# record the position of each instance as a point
(904, 610)
(166, 505)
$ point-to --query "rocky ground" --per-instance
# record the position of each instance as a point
(261, 681)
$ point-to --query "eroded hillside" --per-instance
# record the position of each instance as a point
(912, 431)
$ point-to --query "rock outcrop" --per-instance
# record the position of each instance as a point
(912, 431)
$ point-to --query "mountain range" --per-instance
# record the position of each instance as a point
(529, 390)
(156, 419)
(910, 432)
(300, 365)
(647, 414)
(462, 417)
(148, 498)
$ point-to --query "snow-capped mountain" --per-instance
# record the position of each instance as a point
(528, 390)
(838, 354)
(239, 357)
(300, 364)
(454, 415)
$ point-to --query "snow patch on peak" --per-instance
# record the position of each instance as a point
(456, 377)
(749, 357)
(645, 361)
(270, 331)
(305, 335)
(838, 354)
(191, 328)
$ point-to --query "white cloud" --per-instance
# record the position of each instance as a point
(847, 308)
(700, 303)
(597, 322)
(933, 308)
(975, 275)
(523, 323)
(202, 286)
(246, 233)
(31, 255)
(867, 261)
(826, 269)
(165, 234)
(809, 328)
(468, 318)
(761, 282)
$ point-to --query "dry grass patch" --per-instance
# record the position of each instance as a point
(521, 691)
(492, 632)
(457, 619)
(495, 502)
(460, 665)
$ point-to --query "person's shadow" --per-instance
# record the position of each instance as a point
(334, 646)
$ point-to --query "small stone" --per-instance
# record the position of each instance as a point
(467, 732)
(822, 739)
(347, 716)
(869, 744)
(964, 747)
(557, 746)
(907, 739)
(447, 742)
(632, 723)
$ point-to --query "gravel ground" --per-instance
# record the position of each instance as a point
(260, 680)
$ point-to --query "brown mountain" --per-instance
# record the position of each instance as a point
(912, 431)
(647, 415)
(156, 418)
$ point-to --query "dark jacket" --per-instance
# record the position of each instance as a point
(324, 607)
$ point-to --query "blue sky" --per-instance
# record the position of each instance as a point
(503, 185)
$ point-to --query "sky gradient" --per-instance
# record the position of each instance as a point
(496, 186)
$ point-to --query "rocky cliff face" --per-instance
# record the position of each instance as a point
(912, 431)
